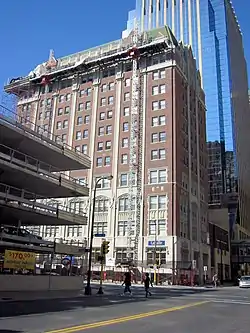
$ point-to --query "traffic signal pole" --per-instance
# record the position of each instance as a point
(100, 291)
(104, 251)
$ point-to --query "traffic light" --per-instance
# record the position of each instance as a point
(105, 247)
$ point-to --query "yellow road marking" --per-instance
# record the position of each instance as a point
(124, 319)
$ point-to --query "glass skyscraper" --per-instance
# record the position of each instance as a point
(211, 28)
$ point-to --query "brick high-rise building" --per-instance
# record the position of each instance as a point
(88, 106)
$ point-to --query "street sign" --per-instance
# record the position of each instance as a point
(100, 235)
(158, 243)
(205, 268)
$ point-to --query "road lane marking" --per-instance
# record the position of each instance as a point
(124, 319)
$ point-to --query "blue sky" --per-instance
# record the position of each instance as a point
(29, 29)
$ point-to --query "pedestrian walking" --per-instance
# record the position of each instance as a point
(147, 282)
(215, 280)
(127, 283)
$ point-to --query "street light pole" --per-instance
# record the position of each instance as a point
(88, 286)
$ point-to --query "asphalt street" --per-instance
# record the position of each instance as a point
(181, 310)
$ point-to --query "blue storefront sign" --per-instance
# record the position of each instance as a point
(158, 243)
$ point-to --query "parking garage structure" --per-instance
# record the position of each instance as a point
(35, 171)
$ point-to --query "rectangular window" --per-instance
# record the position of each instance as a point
(109, 114)
(85, 134)
(61, 98)
(64, 138)
(154, 137)
(162, 174)
(153, 202)
(78, 135)
(152, 227)
(162, 227)
(111, 100)
(81, 93)
(155, 105)
(107, 161)
(67, 110)
(68, 96)
(86, 119)
(162, 136)
(111, 86)
(162, 154)
(155, 75)
(103, 101)
(80, 107)
(161, 202)
(104, 87)
(155, 90)
(124, 179)
(162, 104)
(162, 120)
(87, 105)
(102, 116)
(59, 125)
(162, 74)
(124, 204)
(153, 177)
(101, 131)
(154, 154)
(65, 124)
(109, 130)
(99, 161)
(60, 112)
(127, 82)
(125, 143)
(78, 148)
(84, 149)
(124, 159)
(154, 121)
(125, 127)
(126, 111)
(162, 88)
(126, 97)
(157, 176)
(100, 146)
(88, 91)
(79, 120)
(108, 145)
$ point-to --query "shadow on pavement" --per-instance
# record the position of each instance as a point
(19, 308)
(9, 331)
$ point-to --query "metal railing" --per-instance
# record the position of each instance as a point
(22, 123)
(39, 167)
(95, 54)
(21, 197)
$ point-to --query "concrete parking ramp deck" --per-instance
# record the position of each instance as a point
(34, 213)
(41, 146)
(45, 184)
